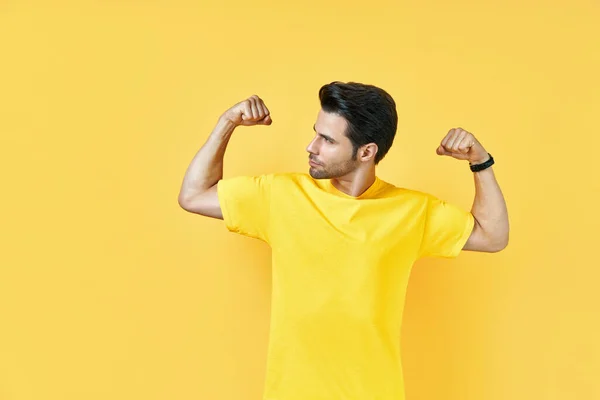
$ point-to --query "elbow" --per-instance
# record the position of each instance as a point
(183, 201)
(498, 245)
(491, 239)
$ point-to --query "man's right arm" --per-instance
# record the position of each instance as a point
(198, 193)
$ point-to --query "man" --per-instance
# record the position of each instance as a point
(343, 241)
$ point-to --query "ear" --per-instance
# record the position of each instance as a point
(367, 152)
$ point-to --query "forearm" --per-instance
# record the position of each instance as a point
(206, 168)
(489, 208)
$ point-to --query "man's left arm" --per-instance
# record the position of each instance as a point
(490, 233)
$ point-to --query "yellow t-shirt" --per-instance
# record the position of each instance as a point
(340, 268)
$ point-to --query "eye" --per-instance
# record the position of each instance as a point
(325, 139)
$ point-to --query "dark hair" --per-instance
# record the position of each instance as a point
(370, 112)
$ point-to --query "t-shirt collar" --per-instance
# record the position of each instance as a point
(371, 190)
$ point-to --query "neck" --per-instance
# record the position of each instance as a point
(356, 182)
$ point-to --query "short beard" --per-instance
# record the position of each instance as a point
(335, 171)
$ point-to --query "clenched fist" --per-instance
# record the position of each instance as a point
(251, 111)
(462, 145)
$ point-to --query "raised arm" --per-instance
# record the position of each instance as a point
(198, 193)
(491, 230)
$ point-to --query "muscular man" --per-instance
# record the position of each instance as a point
(343, 241)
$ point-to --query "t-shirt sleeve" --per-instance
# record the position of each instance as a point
(245, 203)
(447, 229)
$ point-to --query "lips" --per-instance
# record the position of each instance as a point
(310, 161)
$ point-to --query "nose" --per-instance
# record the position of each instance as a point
(312, 148)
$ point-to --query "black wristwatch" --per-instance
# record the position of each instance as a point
(482, 166)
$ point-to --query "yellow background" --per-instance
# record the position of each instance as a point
(109, 290)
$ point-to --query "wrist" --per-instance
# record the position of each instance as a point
(223, 129)
(226, 121)
(480, 160)
(481, 164)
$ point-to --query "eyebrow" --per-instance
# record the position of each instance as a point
(322, 135)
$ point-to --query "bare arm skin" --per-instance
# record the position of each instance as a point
(491, 230)
(198, 193)
(490, 233)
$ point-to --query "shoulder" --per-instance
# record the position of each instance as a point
(288, 175)
(391, 190)
(291, 178)
(271, 177)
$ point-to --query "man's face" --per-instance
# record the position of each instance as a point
(330, 148)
